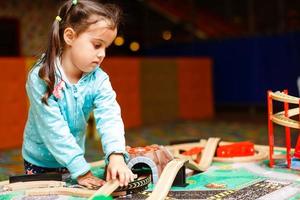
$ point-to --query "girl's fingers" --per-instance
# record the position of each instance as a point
(122, 178)
(87, 184)
(126, 178)
(97, 182)
(133, 176)
(108, 175)
(114, 174)
(92, 182)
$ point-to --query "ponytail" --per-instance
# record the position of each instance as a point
(54, 46)
(47, 71)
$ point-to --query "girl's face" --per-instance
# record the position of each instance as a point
(87, 49)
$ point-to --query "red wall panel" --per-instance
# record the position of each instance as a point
(13, 106)
(195, 88)
(125, 78)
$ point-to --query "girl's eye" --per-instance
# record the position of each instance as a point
(97, 46)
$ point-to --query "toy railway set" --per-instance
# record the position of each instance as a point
(204, 169)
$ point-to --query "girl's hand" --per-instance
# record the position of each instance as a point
(90, 181)
(117, 168)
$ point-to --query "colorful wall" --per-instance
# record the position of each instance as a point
(35, 18)
(149, 90)
(245, 68)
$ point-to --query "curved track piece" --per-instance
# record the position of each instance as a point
(208, 153)
(280, 96)
(292, 112)
(281, 119)
(166, 179)
(262, 153)
(137, 185)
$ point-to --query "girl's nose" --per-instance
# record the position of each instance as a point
(101, 53)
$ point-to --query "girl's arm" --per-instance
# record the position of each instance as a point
(109, 123)
(110, 126)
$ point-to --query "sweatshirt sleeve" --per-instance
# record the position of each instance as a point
(109, 123)
(54, 130)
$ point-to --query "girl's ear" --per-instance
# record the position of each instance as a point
(69, 36)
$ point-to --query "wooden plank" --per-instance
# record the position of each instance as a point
(166, 179)
(208, 153)
(108, 188)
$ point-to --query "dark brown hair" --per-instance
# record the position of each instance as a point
(77, 17)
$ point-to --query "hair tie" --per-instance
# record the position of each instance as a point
(74, 2)
(58, 18)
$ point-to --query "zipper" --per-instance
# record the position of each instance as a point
(75, 92)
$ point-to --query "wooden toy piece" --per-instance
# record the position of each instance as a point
(166, 179)
(236, 149)
(270, 128)
(297, 148)
(76, 192)
(193, 151)
(146, 161)
(283, 97)
(283, 119)
(180, 179)
(287, 134)
(4, 183)
(33, 184)
(208, 153)
(36, 177)
(109, 188)
(178, 147)
(191, 164)
(106, 189)
(33, 188)
(155, 156)
(261, 153)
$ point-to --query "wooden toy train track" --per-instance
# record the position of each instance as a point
(261, 153)
(166, 179)
(34, 188)
(161, 188)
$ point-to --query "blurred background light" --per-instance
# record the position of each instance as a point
(167, 35)
(134, 46)
(119, 41)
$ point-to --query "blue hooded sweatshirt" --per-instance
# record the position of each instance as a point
(54, 135)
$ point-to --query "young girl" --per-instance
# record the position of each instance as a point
(64, 86)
